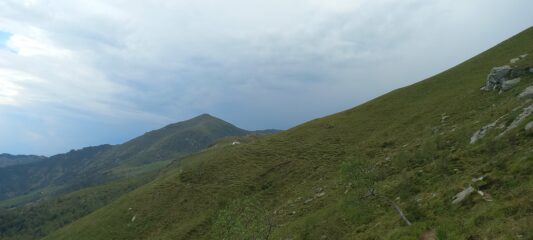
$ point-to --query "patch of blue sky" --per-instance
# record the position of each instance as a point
(4, 37)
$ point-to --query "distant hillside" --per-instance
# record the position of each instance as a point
(11, 160)
(455, 160)
(95, 165)
(110, 170)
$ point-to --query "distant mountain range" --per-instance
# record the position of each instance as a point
(7, 160)
(99, 164)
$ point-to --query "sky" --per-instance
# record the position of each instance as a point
(76, 73)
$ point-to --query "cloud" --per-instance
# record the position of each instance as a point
(260, 64)
(25, 46)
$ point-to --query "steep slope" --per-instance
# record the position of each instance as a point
(290, 186)
(11, 160)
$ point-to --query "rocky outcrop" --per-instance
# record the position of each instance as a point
(527, 93)
(515, 60)
(496, 77)
(506, 85)
(483, 131)
(505, 77)
(521, 117)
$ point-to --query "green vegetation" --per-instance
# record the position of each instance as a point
(95, 165)
(38, 219)
(243, 219)
(363, 178)
(41, 197)
(418, 137)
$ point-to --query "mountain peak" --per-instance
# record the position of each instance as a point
(204, 116)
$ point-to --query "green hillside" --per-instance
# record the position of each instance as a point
(41, 197)
(37, 219)
(413, 145)
(95, 165)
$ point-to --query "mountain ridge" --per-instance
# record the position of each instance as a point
(11, 160)
(167, 143)
(88, 178)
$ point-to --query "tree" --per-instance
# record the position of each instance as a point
(363, 178)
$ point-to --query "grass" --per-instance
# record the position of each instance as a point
(37, 219)
(44, 196)
(426, 159)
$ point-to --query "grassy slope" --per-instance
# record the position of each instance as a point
(95, 176)
(428, 160)
(97, 165)
(47, 215)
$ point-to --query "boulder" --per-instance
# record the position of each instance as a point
(504, 77)
(506, 85)
(496, 77)
(517, 72)
(527, 93)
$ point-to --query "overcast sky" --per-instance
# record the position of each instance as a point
(75, 73)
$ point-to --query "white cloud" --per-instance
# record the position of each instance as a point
(11, 86)
(26, 46)
(8, 92)
(338, 5)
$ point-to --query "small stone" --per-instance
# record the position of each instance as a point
(514, 60)
(478, 179)
(529, 128)
(321, 194)
(428, 235)
(308, 200)
(459, 197)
